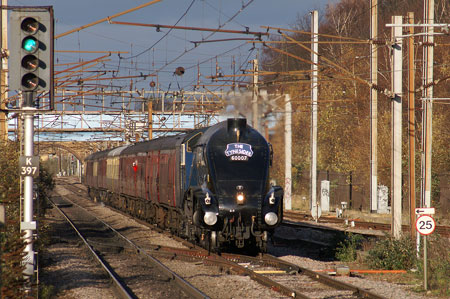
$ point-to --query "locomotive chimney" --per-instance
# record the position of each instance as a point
(236, 126)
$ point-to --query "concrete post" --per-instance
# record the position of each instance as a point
(314, 96)
(288, 153)
(427, 112)
(396, 162)
(373, 106)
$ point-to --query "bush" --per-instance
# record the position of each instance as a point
(46, 291)
(11, 244)
(45, 184)
(347, 249)
(393, 254)
(438, 264)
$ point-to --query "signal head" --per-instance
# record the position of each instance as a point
(30, 81)
(31, 50)
(29, 25)
(30, 62)
(30, 44)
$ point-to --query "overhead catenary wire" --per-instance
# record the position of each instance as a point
(107, 18)
(243, 7)
(129, 68)
(207, 37)
(157, 42)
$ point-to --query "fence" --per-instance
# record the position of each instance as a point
(353, 188)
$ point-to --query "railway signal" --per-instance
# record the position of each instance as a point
(31, 49)
(30, 71)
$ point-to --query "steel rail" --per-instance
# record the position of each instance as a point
(217, 260)
(122, 290)
(443, 230)
(261, 279)
(324, 278)
(178, 280)
(231, 261)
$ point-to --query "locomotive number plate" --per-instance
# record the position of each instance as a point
(239, 151)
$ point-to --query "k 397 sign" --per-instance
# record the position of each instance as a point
(29, 166)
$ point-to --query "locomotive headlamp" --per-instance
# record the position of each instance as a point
(240, 198)
(210, 218)
(271, 218)
(272, 198)
(207, 199)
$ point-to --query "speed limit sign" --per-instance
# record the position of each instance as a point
(425, 225)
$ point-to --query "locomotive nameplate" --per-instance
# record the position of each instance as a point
(239, 151)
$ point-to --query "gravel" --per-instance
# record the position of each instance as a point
(67, 266)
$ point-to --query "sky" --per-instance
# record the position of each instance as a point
(176, 48)
(146, 51)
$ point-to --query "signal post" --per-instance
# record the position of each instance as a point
(31, 73)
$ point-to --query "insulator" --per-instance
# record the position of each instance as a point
(179, 71)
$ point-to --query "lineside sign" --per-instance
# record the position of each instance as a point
(424, 211)
(425, 225)
(29, 166)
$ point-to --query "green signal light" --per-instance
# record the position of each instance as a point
(30, 44)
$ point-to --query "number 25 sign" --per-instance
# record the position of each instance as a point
(425, 225)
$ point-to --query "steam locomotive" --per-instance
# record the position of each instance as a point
(210, 185)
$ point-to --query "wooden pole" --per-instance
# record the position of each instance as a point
(3, 68)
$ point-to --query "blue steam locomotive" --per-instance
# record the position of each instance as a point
(210, 186)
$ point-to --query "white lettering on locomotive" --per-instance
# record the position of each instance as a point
(239, 151)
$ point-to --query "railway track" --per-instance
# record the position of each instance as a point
(107, 246)
(121, 288)
(279, 276)
(358, 224)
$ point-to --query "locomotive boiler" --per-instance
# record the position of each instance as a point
(210, 186)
